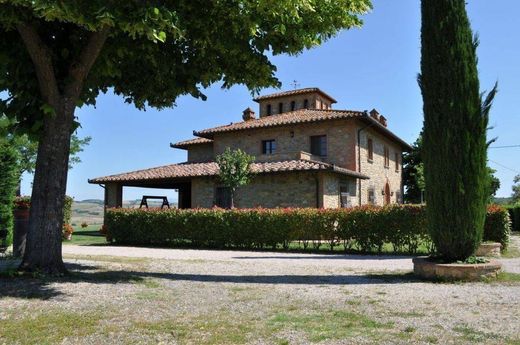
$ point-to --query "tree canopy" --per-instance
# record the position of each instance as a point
(152, 52)
(58, 55)
(234, 169)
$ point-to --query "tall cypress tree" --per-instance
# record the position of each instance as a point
(455, 123)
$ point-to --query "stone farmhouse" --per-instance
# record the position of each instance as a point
(307, 154)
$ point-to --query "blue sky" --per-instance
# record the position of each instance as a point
(371, 67)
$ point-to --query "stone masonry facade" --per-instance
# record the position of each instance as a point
(294, 172)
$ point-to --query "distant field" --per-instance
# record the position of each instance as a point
(91, 211)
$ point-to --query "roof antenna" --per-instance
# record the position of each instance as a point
(295, 84)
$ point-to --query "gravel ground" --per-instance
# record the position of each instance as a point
(143, 296)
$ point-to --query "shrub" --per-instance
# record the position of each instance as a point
(365, 228)
(9, 175)
(514, 213)
(67, 231)
(84, 225)
(497, 227)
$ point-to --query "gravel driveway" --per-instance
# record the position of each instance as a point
(123, 295)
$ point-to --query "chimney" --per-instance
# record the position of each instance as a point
(248, 114)
(382, 120)
(374, 114)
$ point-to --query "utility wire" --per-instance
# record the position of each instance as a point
(503, 166)
(503, 147)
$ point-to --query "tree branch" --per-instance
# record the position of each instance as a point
(42, 60)
(80, 68)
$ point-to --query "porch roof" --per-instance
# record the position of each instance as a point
(188, 170)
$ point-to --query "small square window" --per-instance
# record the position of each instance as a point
(319, 145)
(268, 146)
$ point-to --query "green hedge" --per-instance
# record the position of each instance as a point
(514, 213)
(365, 228)
(497, 227)
(9, 174)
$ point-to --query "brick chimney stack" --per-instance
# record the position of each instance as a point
(248, 114)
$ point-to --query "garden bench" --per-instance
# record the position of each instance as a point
(144, 200)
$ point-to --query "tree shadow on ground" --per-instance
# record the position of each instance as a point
(328, 257)
(45, 288)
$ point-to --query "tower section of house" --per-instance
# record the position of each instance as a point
(307, 154)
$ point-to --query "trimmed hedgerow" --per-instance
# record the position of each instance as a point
(514, 213)
(365, 228)
(497, 227)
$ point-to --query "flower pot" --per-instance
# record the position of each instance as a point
(21, 227)
(425, 268)
(491, 249)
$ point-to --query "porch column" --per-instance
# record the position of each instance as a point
(113, 195)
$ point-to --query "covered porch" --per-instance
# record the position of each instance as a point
(114, 191)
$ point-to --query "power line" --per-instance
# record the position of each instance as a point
(503, 147)
(503, 166)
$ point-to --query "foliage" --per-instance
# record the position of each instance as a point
(514, 213)
(67, 209)
(84, 225)
(234, 169)
(8, 183)
(497, 227)
(516, 190)
(68, 230)
(56, 56)
(22, 202)
(413, 174)
(365, 228)
(455, 125)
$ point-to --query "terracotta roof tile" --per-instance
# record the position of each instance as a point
(294, 92)
(186, 170)
(195, 141)
(302, 116)
(292, 117)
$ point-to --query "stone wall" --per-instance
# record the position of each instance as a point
(290, 139)
(201, 153)
(296, 189)
(375, 169)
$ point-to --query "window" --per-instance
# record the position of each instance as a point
(370, 147)
(371, 196)
(387, 156)
(223, 197)
(306, 104)
(344, 196)
(293, 105)
(268, 146)
(319, 145)
(396, 162)
(269, 110)
(398, 197)
(280, 108)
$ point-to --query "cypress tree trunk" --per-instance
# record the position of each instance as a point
(455, 125)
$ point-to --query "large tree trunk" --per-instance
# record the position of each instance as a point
(43, 248)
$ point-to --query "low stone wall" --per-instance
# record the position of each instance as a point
(427, 269)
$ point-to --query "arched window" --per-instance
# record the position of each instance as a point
(306, 104)
(269, 110)
(293, 105)
(280, 108)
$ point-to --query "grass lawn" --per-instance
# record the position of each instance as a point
(88, 236)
